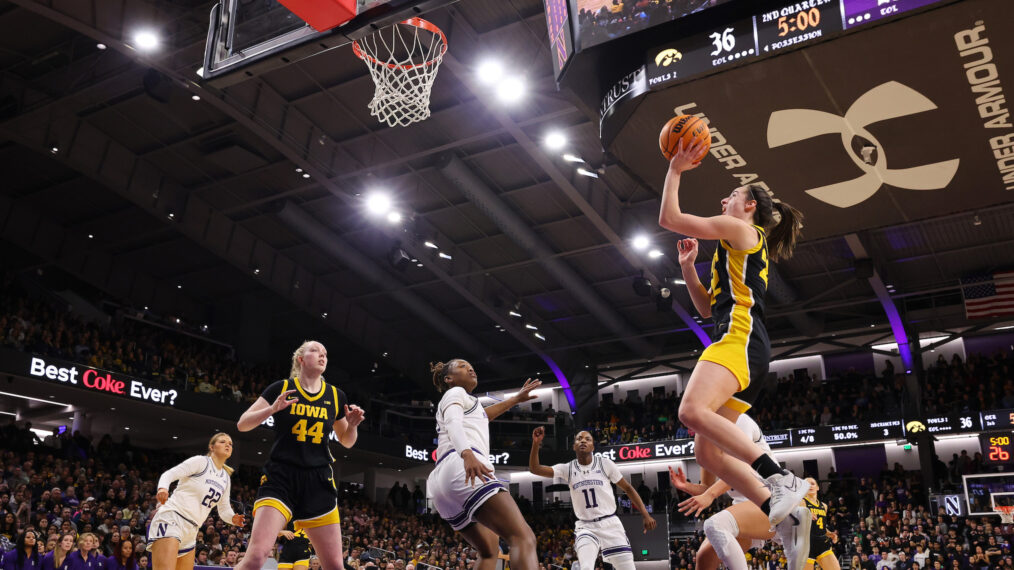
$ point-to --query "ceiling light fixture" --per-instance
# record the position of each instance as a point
(378, 203)
(146, 40)
(555, 140)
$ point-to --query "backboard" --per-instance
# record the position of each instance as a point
(985, 491)
(248, 37)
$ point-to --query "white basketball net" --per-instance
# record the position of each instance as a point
(403, 61)
(1006, 515)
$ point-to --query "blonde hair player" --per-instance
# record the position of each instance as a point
(465, 490)
(821, 552)
(204, 483)
(738, 528)
(591, 480)
(298, 483)
(733, 367)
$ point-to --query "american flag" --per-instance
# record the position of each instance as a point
(989, 296)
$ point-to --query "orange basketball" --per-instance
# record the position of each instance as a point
(687, 128)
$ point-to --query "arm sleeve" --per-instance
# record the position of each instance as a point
(561, 471)
(195, 464)
(611, 470)
(224, 507)
(454, 418)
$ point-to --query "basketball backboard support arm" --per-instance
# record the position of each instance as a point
(225, 63)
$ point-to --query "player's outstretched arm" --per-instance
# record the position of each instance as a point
(534, 465)
(497, 409)
(626, 487)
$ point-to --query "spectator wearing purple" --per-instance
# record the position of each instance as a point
(25, 555)
(85, 557)
(59, 557)
(123, 559)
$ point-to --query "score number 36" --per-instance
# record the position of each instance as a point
(724, 41)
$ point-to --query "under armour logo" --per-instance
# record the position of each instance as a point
(887, 101)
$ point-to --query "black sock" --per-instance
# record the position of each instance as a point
(766, 466)
(766, 506)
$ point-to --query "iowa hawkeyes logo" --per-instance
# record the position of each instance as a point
(667, 57)
(915, 426)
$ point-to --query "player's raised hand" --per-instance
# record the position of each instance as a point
(162, 495)
(687, 158)
(238, 520)
(687, 251)
(354, 415)
(679, 479)
(283, 401)
(538, 434)
(526, 391)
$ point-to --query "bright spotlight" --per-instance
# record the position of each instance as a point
(555, 140)
(641, 242)
(378, 204)
(573, 158)
(510, 90)
(655, 254)
(490, 71)
(394, 217)
(146, 40)
(430, 244)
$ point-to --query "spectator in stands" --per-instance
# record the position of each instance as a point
(25, 555)
(123, 557)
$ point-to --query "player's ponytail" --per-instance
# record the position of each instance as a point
(211, 444)
(783, 223)
(441, 370)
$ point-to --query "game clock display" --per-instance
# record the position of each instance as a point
(786, 25)
(796, 23)
(997, 448)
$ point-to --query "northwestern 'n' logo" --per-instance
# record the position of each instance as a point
(886, 101)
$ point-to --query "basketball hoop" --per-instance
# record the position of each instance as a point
(403, 61)
(1006, 513)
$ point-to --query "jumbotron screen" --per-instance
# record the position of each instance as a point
(600, 21)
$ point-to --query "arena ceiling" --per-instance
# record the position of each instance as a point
(219, 203)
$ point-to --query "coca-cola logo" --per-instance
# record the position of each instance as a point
(634, 452)
(92, 379)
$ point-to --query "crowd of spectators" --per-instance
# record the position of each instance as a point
(983, 382)
(33, 321)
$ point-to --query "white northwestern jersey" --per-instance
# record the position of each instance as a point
(476, 424)
(591, 486)
(746, 425)
(201, 487)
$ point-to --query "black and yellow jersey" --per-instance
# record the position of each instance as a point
(298, 536)
(302, 429)
(818, 527)
(739, 281)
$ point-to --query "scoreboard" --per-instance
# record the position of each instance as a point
(997, 448)
(782, 26)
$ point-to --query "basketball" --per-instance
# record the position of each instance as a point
(687, 128)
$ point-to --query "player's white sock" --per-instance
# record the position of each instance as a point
(722, 530)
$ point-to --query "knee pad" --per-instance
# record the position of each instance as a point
(721, 522)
